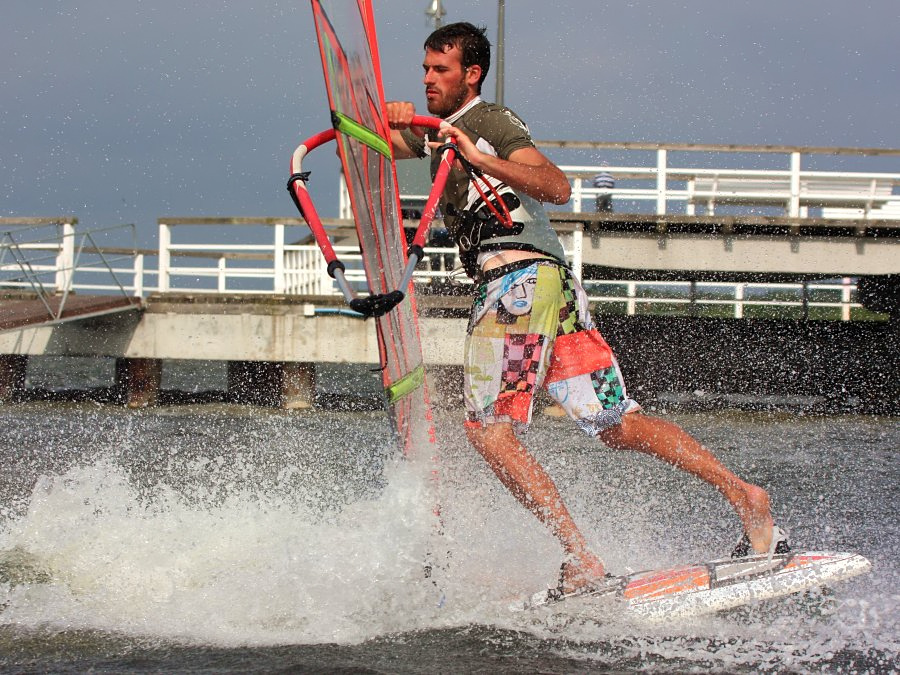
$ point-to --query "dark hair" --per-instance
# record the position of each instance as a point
(471, 42)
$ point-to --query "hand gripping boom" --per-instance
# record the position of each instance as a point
(376, 304)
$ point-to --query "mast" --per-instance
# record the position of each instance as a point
(501, 12)
(435, 13)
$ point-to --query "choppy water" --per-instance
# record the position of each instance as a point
(232, 539)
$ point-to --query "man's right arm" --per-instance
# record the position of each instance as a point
(399, 117)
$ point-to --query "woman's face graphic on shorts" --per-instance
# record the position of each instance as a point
(521, 292)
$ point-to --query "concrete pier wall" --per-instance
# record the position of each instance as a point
(229, 329)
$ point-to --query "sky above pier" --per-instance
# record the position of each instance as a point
(126, 111)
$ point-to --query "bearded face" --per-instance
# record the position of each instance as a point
(448, 86)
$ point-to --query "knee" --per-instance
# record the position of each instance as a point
(488, 434)
(475, 434)
(489, 437)
(619, 435)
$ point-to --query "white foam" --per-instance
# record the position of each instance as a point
(245, 570)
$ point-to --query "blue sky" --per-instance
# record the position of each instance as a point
(124, 111)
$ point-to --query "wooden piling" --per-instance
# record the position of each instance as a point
(298, 385)
(12, 376)
(289, 385)
(139, 380)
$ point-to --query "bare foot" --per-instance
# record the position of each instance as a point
(756, 517)
(580, 570)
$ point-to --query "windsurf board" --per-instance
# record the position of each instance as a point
(718, 585)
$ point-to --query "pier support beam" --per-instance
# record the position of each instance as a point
(276, 384)
(298, 385)
(12, 376)
(253, 383)
(139, 381)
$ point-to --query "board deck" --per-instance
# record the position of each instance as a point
(714, 586)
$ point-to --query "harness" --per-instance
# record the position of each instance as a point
(488, 217)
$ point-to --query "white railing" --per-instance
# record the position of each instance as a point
(277, 267)
(700, 191)
(305, 273)
(273, 266)
(662, 187)
(268, 255)
(38, 253)
(703, 298)
(48, 258)
(269, 266)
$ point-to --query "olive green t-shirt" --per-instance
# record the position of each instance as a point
(494, 130)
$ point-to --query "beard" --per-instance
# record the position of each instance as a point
(451, 101)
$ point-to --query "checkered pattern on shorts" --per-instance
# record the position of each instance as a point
(521, 360)
(608, 386)
(568, 313)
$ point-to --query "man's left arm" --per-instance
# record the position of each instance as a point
(526, 170)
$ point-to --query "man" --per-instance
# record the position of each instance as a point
(604, 182)
(530, 325)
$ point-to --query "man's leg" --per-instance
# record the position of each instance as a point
(522, 475)
(674, 445)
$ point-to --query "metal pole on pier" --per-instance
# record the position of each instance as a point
(435, 13)
(501, 11)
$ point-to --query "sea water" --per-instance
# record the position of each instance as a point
(216, 538)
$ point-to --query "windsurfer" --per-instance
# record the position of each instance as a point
(531, 310)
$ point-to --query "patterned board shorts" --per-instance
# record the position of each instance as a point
(530, 327)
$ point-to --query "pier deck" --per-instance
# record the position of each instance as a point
(22, 312)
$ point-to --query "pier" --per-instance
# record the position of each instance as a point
(712, 281)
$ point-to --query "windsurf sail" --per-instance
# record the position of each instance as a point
(349, 52)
